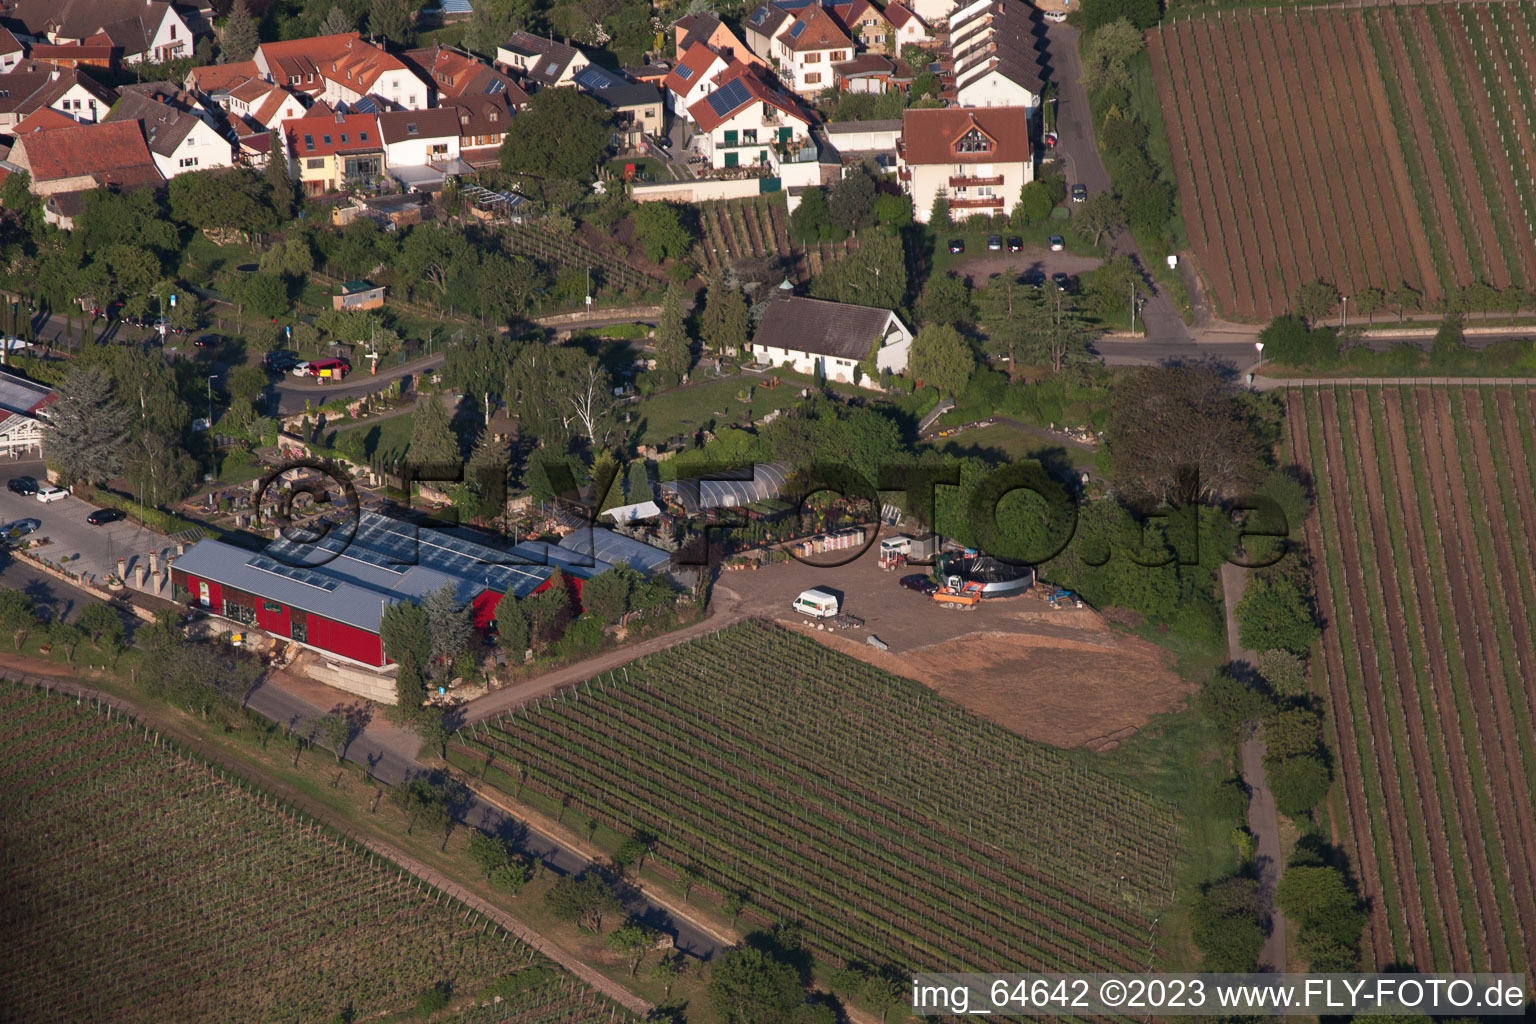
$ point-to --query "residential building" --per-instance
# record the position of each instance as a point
(216, 80)
(745, 122)
(359, 295)
(995, 57)
(138, 31)
(907, 27)
(865, 23)
(693, 78)
(637, 111)
(178, 140)
(542, 62)
(345, 71)
(261, 105)
(458, 74)
(801, 45)
(12, 52)
(70, 91)
(21, 401)
(75, 56)
(421, 147)
(872, 73)
(334, 603)
(712, 32)
(834, 337)
(933, 12)
(483, 124)
(66, 164)
(979, 158)
(649, 74)
(327, 153)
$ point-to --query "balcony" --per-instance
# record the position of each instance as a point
(982, 203)
(963, 181)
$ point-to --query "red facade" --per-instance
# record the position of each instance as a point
(281, 620)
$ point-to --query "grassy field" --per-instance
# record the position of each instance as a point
(219, 903)
(763, 764)
(686, 409)
(1426, 520)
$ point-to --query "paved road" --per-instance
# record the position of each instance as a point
(99, 547)
(63, 601)
(1263, 820)
(391, 754)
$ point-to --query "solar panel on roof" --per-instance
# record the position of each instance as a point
(457, 7)
(308, 577)
(684, 72)
(728, 97)
(796, 29)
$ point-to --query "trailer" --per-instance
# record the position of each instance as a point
(924, 549)
(958, 593)
(894, 551)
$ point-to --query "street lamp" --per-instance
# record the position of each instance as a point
(589, 290)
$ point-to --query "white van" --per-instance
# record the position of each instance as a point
(816, 603)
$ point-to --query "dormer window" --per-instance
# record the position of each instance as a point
(973, 141)
(491, 116)
(410, 129)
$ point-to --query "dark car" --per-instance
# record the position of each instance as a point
(206, 340)
(103, 516)
(1034, 277)
(282, 360)
(1079, 193)
(1015, 243)
(957, 245)
(662, 142)
(1062, 281)
(920, 583)
(22, 485)
(994, 243)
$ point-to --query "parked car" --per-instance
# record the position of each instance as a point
(281, 360)
(20, 528)
(22, 485)
(957, 245)
(1079, 193)
(48, 493)
(299, 369)
(1034, 277)
(1063, 281)
(994, 243)
(662, 142)
(1056, 16)
(333, 369)
(103, 516)
(1057, 243)
(1015, 243)
(206, 340)
(920, 583)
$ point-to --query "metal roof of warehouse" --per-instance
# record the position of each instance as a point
(613, 548)
(765, 481)
(352, 579)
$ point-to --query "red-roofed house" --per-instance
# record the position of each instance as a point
(745, 122)
(805, 49)
(12, 52)
(42, 120)
(138, 30)
(693, 78)
(978, 158)
(73, 55)
(342, 69)
(263, 105)
(213, 79)
(457, 74)
(712, 32)
(327, 154)
(907, 27)
(863, 21)
(86, 156)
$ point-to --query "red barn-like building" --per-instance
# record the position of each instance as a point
(332, 594)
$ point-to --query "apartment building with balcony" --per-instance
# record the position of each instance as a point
(979, 159)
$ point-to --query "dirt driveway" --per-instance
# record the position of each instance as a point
(1059, 677)
(1032, 259)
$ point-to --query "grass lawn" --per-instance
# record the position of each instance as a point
(686, 409)
(648, 168)
(390, 437)
(208, 259)
(1014, 444)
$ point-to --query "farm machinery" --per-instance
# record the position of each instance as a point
(958, 593)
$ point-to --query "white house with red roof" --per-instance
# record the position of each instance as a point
(12, 52)
(906, 27)
(21, 401)
(978, 158)
(263, 105)
(140, 30)
(343, 70)
(801, 42)
(745, 122)
(693, 78)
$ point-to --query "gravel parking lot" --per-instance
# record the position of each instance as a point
(64, 525)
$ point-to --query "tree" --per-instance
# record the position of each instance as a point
(101, 623)
(810, 223)
(1316, 300)
(1449, 348)
(639, 483)
(725, 321)
(851, 201)
(432, 440)
(946, 299)
(406, 632)
(1182, 434)
(279, 177)
(938, 213)
(666, 970)
(893, 211)
(85, 434)
(238, 40)
(562, 135)
(1226, 919)
(410, 689)
(1329, 914)
(336, 22)
(632, 939)
(1035, 204)
(661, 232)
(1370, 301)
(395, 20)
(18, 615)
(606, 595)
(873, 275)
(513, 630)
(674, 350)
(1299, 783)
(487, 851)
(1276, 611)
(336, 729)
(1230, 703)
(941, 357)
(749, 986)
(1097, 215)
(1107, 54)
(421, 802)
(450, 625)
(486, 473)
(265, 293)
(493, 21)
(584, 899)
(1056, 333)
(1142, 14)
(248, 382)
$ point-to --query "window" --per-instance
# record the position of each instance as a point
(189, 161)
(490, 117)
(731, 158)
(813, 78)
(343, 138)
(299, 627)
(293, 79)
(813, 58)
(316, 163)
(309, 141)
(239, 612)
(362, 136)
(410, 129)
(984, 190)
(749, 136)
(730, 138)
(838, 55)
(326, 139)
(973, 141)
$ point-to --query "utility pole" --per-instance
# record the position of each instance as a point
(210, 403)
(1133, 309)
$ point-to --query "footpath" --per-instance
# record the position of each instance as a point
(1263, 819)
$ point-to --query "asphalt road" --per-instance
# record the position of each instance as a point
(391, 755)
(63, 600)
(98, 547)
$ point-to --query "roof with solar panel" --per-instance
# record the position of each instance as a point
(815, 29)
(740, 86)
(349, 577)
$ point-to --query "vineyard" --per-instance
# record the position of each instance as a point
(1371, 150)
(897, 827)
(1428, 523)
(566, 253)
(145, 885)
(742, 229)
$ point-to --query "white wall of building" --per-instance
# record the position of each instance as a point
(201, 149)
